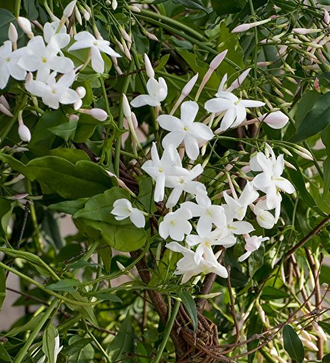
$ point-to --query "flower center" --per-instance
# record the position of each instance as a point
(53, 91)
(181, 181)
(8, 59)
(185, 128)
(44, 60)
(95, 43)
(160, 170)
(172, 223)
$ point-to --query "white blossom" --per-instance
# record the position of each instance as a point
(176, 225)
(157, 92)
(123, 209)
(252, 244)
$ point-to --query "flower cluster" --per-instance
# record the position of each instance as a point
(207, 225)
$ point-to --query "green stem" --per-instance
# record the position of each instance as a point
(167, 331)
(120, 120)
(17, 8)
(97, 343)
(49, 292)
(171, 23)
(34, 218)
(14, 119)
(22, 353)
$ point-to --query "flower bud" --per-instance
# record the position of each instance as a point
(238, 81)
(326, 16)
(69, 9)
(275, 120)
(320, 331)
(25, 25)
(81, 91)
(4, 101)
(24, 133)
(289, 165)
(86, 14)
(309, 344)
(73, 117)
(5, 110)
(77, 15)
(218, 59)
(150, 71)
(114, 4)
(245, 27)
(136, 9)
(305, 31)
(97, 113)
(12, 33)
(189, 86)
(125, 35)
(126, 108)
(304, 153)
(151, 36)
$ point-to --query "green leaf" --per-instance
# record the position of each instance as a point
(66, 130)
(325, 326)
(326, 358)
(315, 121)
(292, 344)
(4, 356)
(78, 345)
(85, 353)
(106, 296)
(190, 307)
(271, 293)
(72, 155)
(324, 2)
(86, 311)
(2, 286)
(305, 105)
(123, 342)
(6, 208)
(326, 174)
(84, 179)
(48, 343)
(225, 7)
(30, 325)
(70, 206)
(64, 285)
(191, 4)
(6, 17)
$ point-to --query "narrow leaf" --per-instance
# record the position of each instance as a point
(190, 306)
(292, 344)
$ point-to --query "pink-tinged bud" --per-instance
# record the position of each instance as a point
(309, 344)
(319, 331)
(151, 36)
(4, 101)
(135, 123)
(29, 77)
(81, 91)
(289, 165)
(304, 155)
(119, 45)
(73, 117)
(125, 35)
(69, 9)
(97, 113)
(24, 133)
(264, 64)
(218, 60)
(326, 16)
(150, 71)
(189, 86)
(126, 108)
(305, 31)
(136, 9)
(5, 110)
(114, 4)
(238, 81)
(77, 16)
(12, 33)
(317, 85)
(245, 27)
(25, 25)
(275, 120)
(127, 52)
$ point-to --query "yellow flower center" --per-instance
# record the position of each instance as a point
(44, 60)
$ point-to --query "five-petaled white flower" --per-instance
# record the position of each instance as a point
(188, 267)
(87, 40)
(252, 244)
(264, 218)
(157, 92)
(54, 92)
(123, 209)
(184, 183)
(176, 225)
(185, 130)
(234, 108)
(9, 64)
(208, 214)
(43, 59)
(160, 169)
(270, 180)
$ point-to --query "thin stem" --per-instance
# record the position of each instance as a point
(17, 8)
(22, 353)
(97, 343)
(167, 331)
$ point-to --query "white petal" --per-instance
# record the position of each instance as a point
(284, 185)
(61, 64)
(68, 96)
(244, 256)
(241, 227)
(170, 123)
(30, 62)
(137, 218)
(201, 131)
(97, 61)
(4, 75)
(86, 37)
(228, 119)
(189, 111)
(174, 197)
(218, 105)
(143, 100)
(173, 139)
(37, 88)
(67, 79)
(192, 148)
(251, 103)
(204, 225)
(160, 188)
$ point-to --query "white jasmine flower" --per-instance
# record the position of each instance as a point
(185, 130)
(184, 183)
(208, 214)
(157, 92)
(270, 180)
(87, 40)
(188, 267)
(69, 9)
(207, 240)
(50, 30)
(160, 169)
(25, 25)
(81, 92)
(176, 225)
(150, 71)
(54, 92)
(234, 108)
(252, 244)
(43, 59)
(9, 63)
(123, 209)
(264, 218)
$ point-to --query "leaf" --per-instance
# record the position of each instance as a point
(271, 293)
(2, 286)
(123, 342)
(31, 10)
(326, 358)
(190, 306)
(77, 346)
(106, 296)
(326, 166)
(325, 326)
(191, 4)
(48, 343)
(315, 121)
(6, 17)
(6, 208)
(70, 206)
(86, 311)
(66, 130)
(292, 344)
(64, 285)
(84, 179)
(305, 105)
(85, 353)
(225, 7)
(324, 2)
(30, 325)
(4, 356)
(72, 155)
